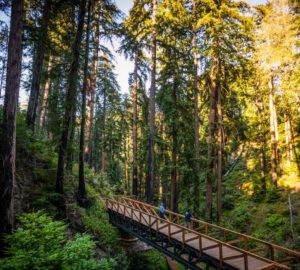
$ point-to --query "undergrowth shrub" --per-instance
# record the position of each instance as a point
(41, 243)
(148, 260)
(97, 222)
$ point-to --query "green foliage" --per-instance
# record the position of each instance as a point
(148, 260)
(274, 221)
(96, 221)
(41, 243)
(77, 255)
(241, 214)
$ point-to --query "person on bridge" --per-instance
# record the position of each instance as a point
(188, 218)
(162, 211)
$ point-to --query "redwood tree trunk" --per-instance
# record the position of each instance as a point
(211, 133)
(273, 136)
(81, 184)
(220, 146)
(174, 182)
(150, 173)
(70, 99)
(196, 125)
(103, 137)
(263, 166)
(277, 141)
(134, 128)
(4, 66)
(46, 94)
(89, 148)
(37, 67)
(288, 138)
(8, 142)
(161, 191)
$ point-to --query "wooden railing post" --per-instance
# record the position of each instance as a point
(246, 261)
(221, 254)
(271, 252)
(200, 244)
(246, 243)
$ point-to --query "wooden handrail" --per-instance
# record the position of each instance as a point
(272, 247)
(219, 243)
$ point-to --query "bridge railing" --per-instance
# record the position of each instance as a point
(147, 215)
(248, 243)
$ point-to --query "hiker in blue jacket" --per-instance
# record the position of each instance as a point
(161, 211)
(188, 218)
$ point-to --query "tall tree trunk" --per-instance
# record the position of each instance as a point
(4, 67)
(288, 138)
(151, 162)
(81, 184)
(103, 137)
(46, 94)
(134, 128)
(262, 150)
(293, 145)
(196, 122)
(220, 148)
(277, 141)
(8, 142)
(211, 133)
(89, 148)
(70, 99)
(126, 166)
(161, 191)
(174, 183)
(273, 136)
(70, 149)
(38, 66)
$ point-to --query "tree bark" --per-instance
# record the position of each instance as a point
(196, 123)
(81, 184)
(134, 128)
(277, 141)
(38, 66)
(8, 142)
(288, 138)
(273, 136)
(103, 137)
(211, 133)
(174, 182)
(161, 189)
(4, 66)
(126, 166)
(89, 148)
(220, 146)
(46, 94)
(70, 99)
(262, 150)
(70, 149)
(151, 162)
(293, 145)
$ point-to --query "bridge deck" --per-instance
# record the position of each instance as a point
(225, 253)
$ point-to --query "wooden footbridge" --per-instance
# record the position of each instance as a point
(205, 246)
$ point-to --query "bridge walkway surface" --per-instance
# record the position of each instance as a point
(204, 246)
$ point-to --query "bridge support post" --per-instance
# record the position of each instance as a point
(132, 243)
